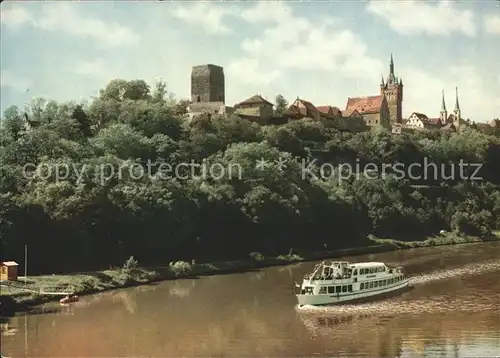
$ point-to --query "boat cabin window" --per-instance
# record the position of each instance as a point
(331, 289)
(355, 273)
(375, 284)
(309, 290)
(349, 288)
(344, 288)
(371, 284)
(362, 286)
(322, 290)
(338, 289)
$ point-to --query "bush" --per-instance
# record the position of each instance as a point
(257, 256)
(180, 268)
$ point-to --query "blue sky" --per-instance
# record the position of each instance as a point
(322, 51)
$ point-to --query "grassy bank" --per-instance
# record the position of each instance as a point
(21, 295)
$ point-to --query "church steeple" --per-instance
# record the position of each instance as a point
(444, 113)
(392, 77)
(391, 88)
(456, 111)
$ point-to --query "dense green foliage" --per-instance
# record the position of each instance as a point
(96, 214)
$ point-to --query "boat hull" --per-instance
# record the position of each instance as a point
(352, 297)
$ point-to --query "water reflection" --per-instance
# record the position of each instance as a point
(450, 312)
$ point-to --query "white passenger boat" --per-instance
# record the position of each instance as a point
(343, 282)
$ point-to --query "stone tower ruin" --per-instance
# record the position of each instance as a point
(207, 84)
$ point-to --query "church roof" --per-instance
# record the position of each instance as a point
(433, 121)
(257, 99)
(449, 127)
(370, 104)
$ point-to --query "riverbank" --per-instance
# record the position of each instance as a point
(22, 294)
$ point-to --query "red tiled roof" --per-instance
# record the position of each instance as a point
(433, 121)
(335, 111)
(309, 105)
(310, 110)
(420, 116)
(324, 109)
(370, 104)
(351, 113)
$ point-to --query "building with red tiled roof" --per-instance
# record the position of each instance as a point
(384, 109)
(330, 110)
(421, 121)
(302, 109)
(329, 115)
(445, 122)
(392, 90)
(373, 109)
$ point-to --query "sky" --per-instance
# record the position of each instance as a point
(320, 51)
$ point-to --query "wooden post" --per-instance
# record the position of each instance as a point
(25, 264)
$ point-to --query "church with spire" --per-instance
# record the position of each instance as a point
(446, 121)
(386, 108)
(392, 90)
(454, 117)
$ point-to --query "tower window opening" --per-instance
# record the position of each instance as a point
(198, 99)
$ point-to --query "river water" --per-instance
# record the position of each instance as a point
(452, 311)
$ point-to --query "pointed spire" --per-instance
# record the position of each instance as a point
(382, 83)
(457, 106)
(443, 104)
(391, 66)
(401, 81)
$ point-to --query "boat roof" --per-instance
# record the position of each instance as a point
(367, 264)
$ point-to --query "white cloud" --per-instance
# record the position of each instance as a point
(62, 17)
(422, 92)
(209, 17)
(492, 24)
(16, 82)
(14, 16)
(276, 50)
(94, 68)
(292, 42)
(412, 17)
(248, 72)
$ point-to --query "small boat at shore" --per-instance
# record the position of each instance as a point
(339, 282)
(69, 299)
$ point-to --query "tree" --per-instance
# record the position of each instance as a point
(111, 206)
(83, 120)
(281, 105)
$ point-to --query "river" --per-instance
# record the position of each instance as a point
(452, 311)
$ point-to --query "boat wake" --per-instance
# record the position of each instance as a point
(468, 270)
